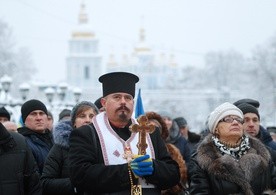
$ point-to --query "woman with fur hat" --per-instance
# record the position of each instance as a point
(55, 175)
(228, 161)
(156, 120)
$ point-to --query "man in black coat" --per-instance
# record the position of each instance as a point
(102, 155)
(19, 173)
(39, 138)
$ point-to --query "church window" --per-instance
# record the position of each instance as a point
(86, 72)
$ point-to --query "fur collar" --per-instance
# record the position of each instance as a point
(226, 167)
(61, 133)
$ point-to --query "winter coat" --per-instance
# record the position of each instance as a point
(266, 138)
(180, 188)
(55, 176)
(19, 174)
(210, 172)
(89, 173)
(193, 140)
(40, 144)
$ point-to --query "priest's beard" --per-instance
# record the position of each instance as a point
(123, 117)
(123, 110)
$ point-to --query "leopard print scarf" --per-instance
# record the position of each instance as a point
(236, 152)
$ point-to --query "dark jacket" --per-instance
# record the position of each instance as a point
(210, 172)
(19, 174)
(89, 173)
(179, 141)
(55, 176)
(266, 138)
(40, 144)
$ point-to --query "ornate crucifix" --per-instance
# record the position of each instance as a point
(142, 128)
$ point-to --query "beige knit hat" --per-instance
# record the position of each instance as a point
(220, 112)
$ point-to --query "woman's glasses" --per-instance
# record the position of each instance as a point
(230, 119)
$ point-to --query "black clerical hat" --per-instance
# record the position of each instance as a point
(115, 82)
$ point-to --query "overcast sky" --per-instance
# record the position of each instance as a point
(188, 28)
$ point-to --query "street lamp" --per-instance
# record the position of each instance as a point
(6, 84)
(24, 89)
(62, 91)
(49, 92)
(77, 94)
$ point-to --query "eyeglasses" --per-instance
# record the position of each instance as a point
(230, 119)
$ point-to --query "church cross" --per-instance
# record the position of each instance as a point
(142, 128)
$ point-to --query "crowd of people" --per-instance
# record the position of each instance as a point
(100, 148)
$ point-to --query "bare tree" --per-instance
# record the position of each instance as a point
(227, 70)
(14, 62)
(7, 53)
(264, 60)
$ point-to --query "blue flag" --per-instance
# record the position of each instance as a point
(139, 110)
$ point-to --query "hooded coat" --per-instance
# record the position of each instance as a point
(179, 141)
(210, 172)
(55, 175)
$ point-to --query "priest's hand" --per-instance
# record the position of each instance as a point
(141, 165)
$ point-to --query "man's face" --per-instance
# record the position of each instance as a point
(184, 130)
(119, 107)
(3, 119)
(251, 124)
(37, 121)
(50, 123)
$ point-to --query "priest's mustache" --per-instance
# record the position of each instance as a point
(123, 108)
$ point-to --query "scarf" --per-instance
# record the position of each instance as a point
(236, 152)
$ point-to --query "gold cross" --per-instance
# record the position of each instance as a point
(142, 128)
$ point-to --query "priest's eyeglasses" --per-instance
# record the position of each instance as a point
(230, 119)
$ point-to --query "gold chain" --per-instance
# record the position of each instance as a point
(135, 189)
(130, 176)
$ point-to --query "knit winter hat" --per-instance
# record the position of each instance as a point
(181, 121)
(78, 105)
(30, 106)
(64, 113)
(220, 112)
(5, 113)
(248, 108)
(98, 103)
(252, 102)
